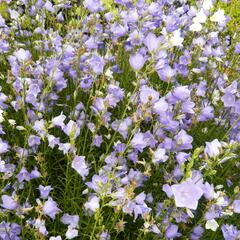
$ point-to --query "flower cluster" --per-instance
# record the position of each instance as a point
(119, 119)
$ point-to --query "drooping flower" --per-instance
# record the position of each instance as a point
(80, 166)
(197, 232)
(50, 208)
(71, 233)
(212, 149)
(160, 106)
(172, 231)
(65, 147)
(104, 236)
(40, 225)
(59, 120)
(97, 141)
(182, 157)
(123, 126)
(49, 6)
(34, 140)
(92, 204)
(8, 202)
(166, 73)
(71, 220)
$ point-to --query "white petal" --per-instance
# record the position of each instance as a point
(212, 225)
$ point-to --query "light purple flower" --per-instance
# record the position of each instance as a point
(59, 121)
(71, 233)
(213, 148)
(166, 73)
(34, 140)
(2, 21)
(197, 232)
(230, 232)
(35, 173)
(65, 147)
(49, 6)
(160, 106)
(228, 99)
(123, 126)
(93, 5)
(159, 155)
(8, 202)
(181, 93)
(52, 141)
(22, 55)
(172, 231)
(118, 30)
(80, 166)
(148, 95)
(142, 140)
(187, 107)
(40, 225)
(97, 64)
(208, 190)
(237, 48)
(3, 146)
(137, 61)
(152, 42)
(168, 190)
(201, 89)
(183, 140)
(104, 236)
(71, 220)
(236, 206)
(187, 194)
(72, 129)
(206, 113)
(97, 141)
(92, 204)
(50, 208)
(23, 175)
(44, 191)
(182, 157)
(98, 183)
